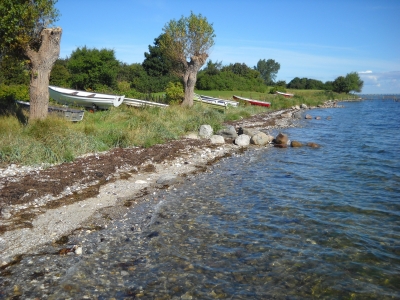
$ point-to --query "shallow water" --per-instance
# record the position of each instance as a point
(271, 223)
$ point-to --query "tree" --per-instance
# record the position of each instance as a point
(340, 85)
(351, 82)
(24, 33)
(354, 82)
(268, 70)
(93, 69)
(186, 43)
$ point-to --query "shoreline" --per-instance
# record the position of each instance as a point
(129, 186)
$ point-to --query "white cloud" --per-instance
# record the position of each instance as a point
(381, 82)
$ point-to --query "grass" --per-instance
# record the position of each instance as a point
(56, 140)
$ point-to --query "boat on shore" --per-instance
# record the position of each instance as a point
(286, 95)
(252, 102)
(215, 101)
(90, 100)
(70, 114)
(141, 103)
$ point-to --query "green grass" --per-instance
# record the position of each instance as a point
(56, 140)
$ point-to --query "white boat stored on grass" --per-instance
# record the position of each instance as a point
(215, 101)
(86, 99)
(140, 103)
(70, 114)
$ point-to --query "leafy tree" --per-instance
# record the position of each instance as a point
(60, 75)
(24, 33)
(186, 43)
(268, 70)
(92, 68)
(354, 83)
(340, 85)
(13, 71)
(213, 68)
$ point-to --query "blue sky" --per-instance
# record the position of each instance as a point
(316, 39)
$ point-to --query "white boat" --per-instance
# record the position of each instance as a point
(86, 99)
(286, 95)
(140, 103)
(70, 114)
(215, 101)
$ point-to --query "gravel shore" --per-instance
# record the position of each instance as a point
(41, 205)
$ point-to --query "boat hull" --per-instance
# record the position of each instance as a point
(86, 99)
(252, 102)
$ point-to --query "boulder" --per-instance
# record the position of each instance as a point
(296, 144)
(205, 131)
(297, 115)
(281, 138)
(287, 115)
(260, 139)
(303, 106)
(228, 131)
(317, 118)
(308, 117)
(168, 180)
(249, 131)
(242, 140)
(217, 139)
(297, 107)
(313, 145)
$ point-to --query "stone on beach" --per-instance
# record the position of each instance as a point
(205, 131)
(228, 131)
(242, 140)
(260, 139)
(217, 139)
(249, 131)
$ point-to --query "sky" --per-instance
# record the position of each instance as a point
(315, 39)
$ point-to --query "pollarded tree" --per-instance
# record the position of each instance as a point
(24, 33)
(187, 43)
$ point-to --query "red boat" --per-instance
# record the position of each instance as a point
(286, 95)
(253, 102)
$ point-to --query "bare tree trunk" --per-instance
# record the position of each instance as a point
(42, 62)
(190, 77)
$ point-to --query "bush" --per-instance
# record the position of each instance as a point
(174, 92)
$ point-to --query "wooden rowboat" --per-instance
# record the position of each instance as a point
(252, 102)
(286, 95)
(86, 99)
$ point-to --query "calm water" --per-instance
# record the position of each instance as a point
(272, 223)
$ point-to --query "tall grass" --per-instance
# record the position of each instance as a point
(56, 140)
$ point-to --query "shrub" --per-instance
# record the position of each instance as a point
(174, 92)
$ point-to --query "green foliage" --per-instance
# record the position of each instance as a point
(236, 76)
(21, 23)
(306, 84)
(60, 75)
(340, 85)
(13, 70)
(185, 38)
(93, 68)
(277, 88)
(174, 92)
(354, 83)
(268, 70)
(17, 91)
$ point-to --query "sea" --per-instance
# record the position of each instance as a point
(270, 223)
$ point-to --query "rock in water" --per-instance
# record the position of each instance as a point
(296, 144)
(281, 138)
